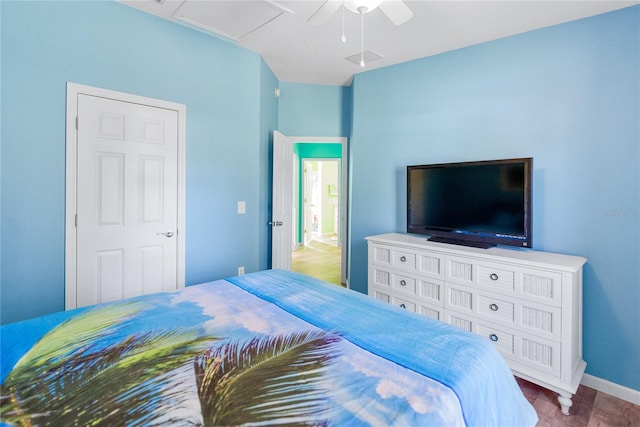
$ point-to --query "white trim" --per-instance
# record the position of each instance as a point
(73, 90)
(613, 389)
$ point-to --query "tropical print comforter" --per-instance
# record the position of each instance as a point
(268, 348)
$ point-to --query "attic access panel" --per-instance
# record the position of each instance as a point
(230, 19)
(368, 56)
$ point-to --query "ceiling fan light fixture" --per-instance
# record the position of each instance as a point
(361, 6)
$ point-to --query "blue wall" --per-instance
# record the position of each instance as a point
(569, 97)
(228, 92)
(314, 110)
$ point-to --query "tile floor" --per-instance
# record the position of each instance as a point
(591, 408)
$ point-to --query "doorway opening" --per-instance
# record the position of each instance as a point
(287, 211)
(318, 249)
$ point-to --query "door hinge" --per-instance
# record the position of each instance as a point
(75, 221)
(76, 122)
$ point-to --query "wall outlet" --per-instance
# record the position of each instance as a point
(242, 207)
(240, 271)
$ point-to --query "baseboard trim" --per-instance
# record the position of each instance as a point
(613, 389)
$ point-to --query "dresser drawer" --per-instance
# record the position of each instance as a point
(493, 276)
(419, 307)
(481, 274)
(542, 286)
(492, 307)
(404, 260)
(459, 320)
(430, 290)
(495, 309)
(403, 303)
(380, 294)
(392, 298)
(539, 285)
(431, 311)
(394, 257)
(460, 270)
(521, 348)
(539, 354)
(514, 345)
(430, 264)
(404, 283)
(460, 298)
(380, 277)
(503, 339)
(539, 319)
(387, 278)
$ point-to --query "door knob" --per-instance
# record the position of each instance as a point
(167, 234)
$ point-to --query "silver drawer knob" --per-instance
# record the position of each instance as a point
(493, 337)
(403, 306)
(403, 283)
(493, 276)
(494, 307)
(403, 258)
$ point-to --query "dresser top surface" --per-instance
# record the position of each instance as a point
(526, 256)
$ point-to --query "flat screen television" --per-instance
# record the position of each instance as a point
(480, 204)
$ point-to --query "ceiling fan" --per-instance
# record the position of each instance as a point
(396, 10)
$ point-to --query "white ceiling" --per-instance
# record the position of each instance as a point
(297, 51)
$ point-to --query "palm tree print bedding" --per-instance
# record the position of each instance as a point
(209, 355)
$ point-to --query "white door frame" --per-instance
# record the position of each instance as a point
(290, 140)
(73, 91)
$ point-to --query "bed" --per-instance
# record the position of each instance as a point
(267, 348)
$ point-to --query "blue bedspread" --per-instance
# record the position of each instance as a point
(267, 348)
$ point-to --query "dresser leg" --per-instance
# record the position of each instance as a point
(565, 402)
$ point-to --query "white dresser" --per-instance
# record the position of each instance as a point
(528, 303)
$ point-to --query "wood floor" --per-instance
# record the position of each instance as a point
(590, 408)
(318, 259)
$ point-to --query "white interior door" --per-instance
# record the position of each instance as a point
(282, 202)
(128, 201)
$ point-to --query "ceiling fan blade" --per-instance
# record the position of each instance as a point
(324, 12)
(397, 11)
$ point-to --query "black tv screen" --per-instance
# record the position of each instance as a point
(482, 204)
